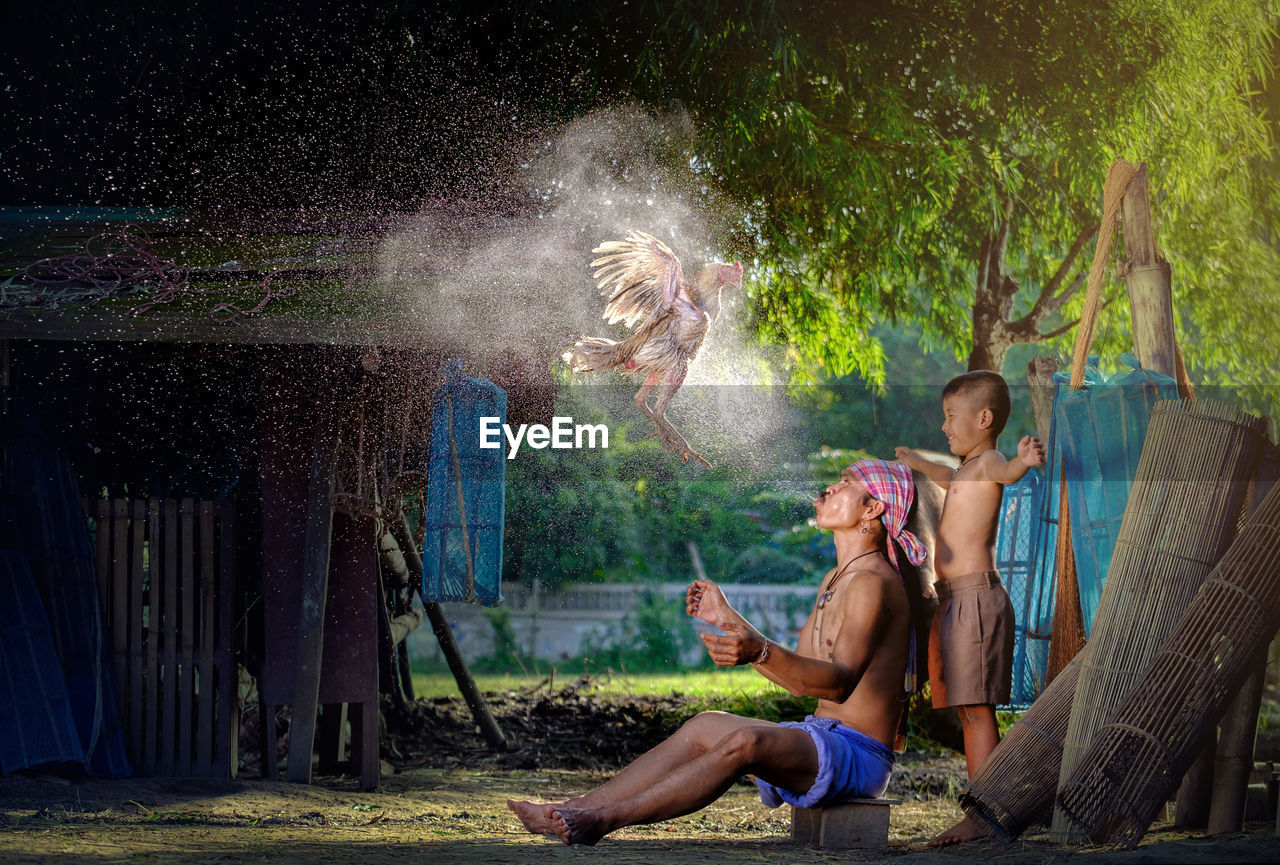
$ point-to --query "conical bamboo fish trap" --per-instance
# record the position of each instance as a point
(1183, 509)
(1016, 785)
(1136, 759)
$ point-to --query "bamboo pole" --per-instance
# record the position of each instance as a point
(449, 647)
(315, 587)
(1237, 739)
(1195, 793)
(1148, 278)
(1234, 760)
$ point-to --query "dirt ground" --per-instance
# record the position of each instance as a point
(460, 816)
(443, 800)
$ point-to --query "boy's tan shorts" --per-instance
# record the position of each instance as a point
(971, 642)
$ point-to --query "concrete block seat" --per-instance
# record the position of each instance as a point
(857, 824)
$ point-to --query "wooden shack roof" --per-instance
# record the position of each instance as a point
(322, 269)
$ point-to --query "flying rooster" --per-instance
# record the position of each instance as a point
(647, 292)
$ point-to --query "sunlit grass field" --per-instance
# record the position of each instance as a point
(740, 681)
(736, 689)
(733, 689)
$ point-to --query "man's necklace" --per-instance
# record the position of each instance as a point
(831, 586)
(827, 596)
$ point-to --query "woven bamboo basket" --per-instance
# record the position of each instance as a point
(1016, 785)
(1183, 509)
(1138, 756)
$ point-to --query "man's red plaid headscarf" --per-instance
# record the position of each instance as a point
(891, 483)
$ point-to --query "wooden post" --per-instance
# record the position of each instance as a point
(315, 587)
(120, 590)
(206, 616)
(156, 590)
(228, 755)
(187, 633)
(1040, 372)
(137, 681)
(1149, 280)
(5, 366)
(1233, 765)
(1197, 787)
(1234, 761)
(169, 694)
(449, 647)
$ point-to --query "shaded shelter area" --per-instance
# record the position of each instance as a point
(235, 415)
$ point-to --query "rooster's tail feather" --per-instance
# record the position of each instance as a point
(594, 353)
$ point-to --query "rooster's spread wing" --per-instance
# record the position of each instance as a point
(642, 278)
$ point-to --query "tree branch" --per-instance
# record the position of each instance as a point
(1055, 303)
(1041, 335)
(1088, 232)
(984, 267)
(1050, 300)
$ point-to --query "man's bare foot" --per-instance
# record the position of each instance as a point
(536, 816)
(965, 830)
(577, 827)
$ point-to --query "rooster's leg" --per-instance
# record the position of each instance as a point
(671, 437)
(641, 399)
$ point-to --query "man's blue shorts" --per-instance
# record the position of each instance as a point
(851, 765)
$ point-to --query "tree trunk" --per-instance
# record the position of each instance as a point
(986, 356)
(994, 327)
(989, 342)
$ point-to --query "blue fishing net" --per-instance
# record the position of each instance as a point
(1100, 429)
(1096, 435)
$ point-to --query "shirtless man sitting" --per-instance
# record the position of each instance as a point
(855, 655)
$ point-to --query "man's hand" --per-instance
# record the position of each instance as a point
(1031, 451)
(739, 644)
(704, 600)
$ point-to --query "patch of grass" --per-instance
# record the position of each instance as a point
(697, 683)
(177, 817)
(736, 689)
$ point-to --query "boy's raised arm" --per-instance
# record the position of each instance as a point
(939, 473)
(1030, 453)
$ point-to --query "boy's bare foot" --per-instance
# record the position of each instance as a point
(536, 816)
(577, 827)
(965, 830)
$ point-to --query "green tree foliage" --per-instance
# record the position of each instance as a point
(942, 162)
(932, 163)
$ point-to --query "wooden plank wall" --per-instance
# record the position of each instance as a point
(166, 569)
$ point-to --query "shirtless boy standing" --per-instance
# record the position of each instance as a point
(853, 654)
(971, 639)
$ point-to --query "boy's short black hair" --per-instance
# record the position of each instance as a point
(988, 388)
